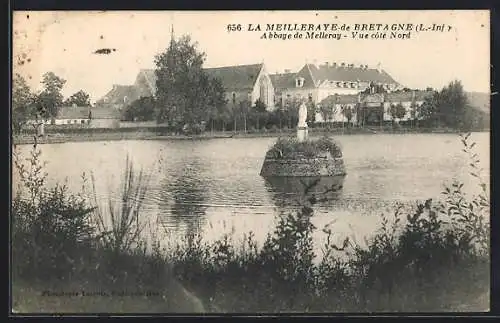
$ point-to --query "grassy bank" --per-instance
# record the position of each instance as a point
(431, 257)
(83, 134)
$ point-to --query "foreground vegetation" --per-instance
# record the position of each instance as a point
(431, 257)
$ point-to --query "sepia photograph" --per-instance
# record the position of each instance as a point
(268, 162)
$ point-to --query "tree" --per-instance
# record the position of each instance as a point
(217, 102)
(397, 111)
(22, 103)
(348, 113)
(80, 99)
(452, 105)
(361, 114)
(244, 109)
(448, 107)
(50, 99)
(427, 111)
(257, 111)
(142, 109)
(292, 110)
(414, 113)
(311, 111)
(327, 112)
(184, 90)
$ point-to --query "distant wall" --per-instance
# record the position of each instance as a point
(104, 123)
(139, 124)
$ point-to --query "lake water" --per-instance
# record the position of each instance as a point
(214, 187)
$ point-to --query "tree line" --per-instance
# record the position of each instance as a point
(43, 105)
(187, 96)
(188, 99)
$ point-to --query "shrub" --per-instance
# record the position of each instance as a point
(49, 224)
(292, 148)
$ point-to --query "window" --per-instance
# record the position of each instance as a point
(234, 97)
(82, 122)
(353, 85)
(339, 84)
(68, 122)
(75, 121)
(299, 82)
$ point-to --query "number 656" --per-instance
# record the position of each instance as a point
(234, 27)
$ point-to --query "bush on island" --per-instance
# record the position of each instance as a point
(289, 148)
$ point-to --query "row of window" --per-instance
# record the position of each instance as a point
(78, 121)
(345, 85)
(297, 95)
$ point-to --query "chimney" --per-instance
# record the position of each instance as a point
(379, 67)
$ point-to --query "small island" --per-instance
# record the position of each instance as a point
(303, 160)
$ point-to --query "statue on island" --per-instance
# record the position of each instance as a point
(302, 131)
(302, 116)
(292, 164)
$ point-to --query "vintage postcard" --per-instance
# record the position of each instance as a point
(250, 161)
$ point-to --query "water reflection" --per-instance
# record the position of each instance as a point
(287, 192)
(184, 196)
(218, 180)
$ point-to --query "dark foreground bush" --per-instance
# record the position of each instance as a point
(432, 257)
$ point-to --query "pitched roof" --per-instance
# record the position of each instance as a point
(118, 93)
(145, 82)
(306, 73)
(283, 81)
(241, 77)
(350, 74)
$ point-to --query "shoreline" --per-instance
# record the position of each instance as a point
(57, 138)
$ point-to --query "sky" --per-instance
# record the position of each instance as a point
(63, 42)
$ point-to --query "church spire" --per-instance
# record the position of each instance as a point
(172, 35)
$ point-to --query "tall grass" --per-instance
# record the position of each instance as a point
(431, 257)
(121, 226)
